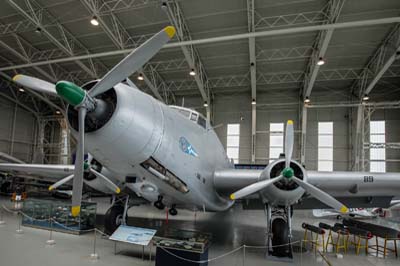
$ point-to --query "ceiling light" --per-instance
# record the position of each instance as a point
(205, 104)
(192, 72)
(94, 21)
(21, 89)
(38, 30)
(365, 98)
(58, 112)
(307, 100)
(253, 102)
(320, 61)
(140, 77)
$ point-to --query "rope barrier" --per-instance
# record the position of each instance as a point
(167, 251)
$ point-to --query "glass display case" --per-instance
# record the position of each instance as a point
(37, 213)
(184, 240)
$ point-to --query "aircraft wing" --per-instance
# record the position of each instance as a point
(48, 172)
(356, 189)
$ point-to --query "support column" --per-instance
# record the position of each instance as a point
(303, 135)
(12, 133)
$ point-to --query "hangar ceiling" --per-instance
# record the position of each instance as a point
(45, 31)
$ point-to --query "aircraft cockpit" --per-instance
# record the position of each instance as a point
(192, 115)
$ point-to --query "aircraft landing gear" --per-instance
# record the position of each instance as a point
(159, 204)
(116, 215)
(173, 210)
(279, 232)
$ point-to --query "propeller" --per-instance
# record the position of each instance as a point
(288, 173)
(60, 182)
(107, 182)
(85, 102)
(35, 84)
(253, 188)
(134, 61)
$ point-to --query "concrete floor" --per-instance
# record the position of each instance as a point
(230, 230)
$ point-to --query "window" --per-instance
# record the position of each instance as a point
(325, 146)
(232, 142)
(202, 122)
(377, 151)
(275, 140)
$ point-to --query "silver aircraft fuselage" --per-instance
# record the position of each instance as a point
(183, 151)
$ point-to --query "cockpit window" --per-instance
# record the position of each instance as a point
(185, 113)
(201, 122)
(193, 117)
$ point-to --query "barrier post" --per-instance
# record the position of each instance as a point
(94, 255)
(1, 217)
(19, 229)
(51, 241)
(244, 255)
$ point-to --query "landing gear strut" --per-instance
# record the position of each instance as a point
(279, 232)
(116, 215)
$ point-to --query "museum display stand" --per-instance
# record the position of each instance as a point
(181, 247)
(56, 215)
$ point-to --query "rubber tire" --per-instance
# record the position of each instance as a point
(110, 218)
(280, 236)
(159, 205)
(173, 211)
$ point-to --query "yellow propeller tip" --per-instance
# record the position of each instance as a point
(51, 188)
(232, 197)
(75, 210)
(344, 209)
(118, 190)
(170, 30)
(16, 77)
(290, 122)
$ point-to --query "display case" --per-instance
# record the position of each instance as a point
(184, 240)
(37, 213)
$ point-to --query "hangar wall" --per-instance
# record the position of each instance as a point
(271, 108)
(17, 131)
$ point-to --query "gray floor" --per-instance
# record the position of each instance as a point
(230, 230)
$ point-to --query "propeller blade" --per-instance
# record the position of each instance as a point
(79, 165)
(60, 182)
(289, 139)
(35, 84)
(107, 182)
(253, 188)
(134, 61)
(321, 195)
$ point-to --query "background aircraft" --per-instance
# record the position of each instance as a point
(172, 157)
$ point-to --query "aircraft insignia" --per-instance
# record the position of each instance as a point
(186, 147)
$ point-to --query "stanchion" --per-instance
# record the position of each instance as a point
(51, 241)
(1, 217)
(94, 255)
(244, 255)
(19, 229)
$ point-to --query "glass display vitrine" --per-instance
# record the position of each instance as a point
(184, 240)
(37, 213)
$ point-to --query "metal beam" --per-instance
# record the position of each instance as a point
(253, 76)
(177, 19)
(342, 25)
(321, 46)
(383, 58)
(65, 36)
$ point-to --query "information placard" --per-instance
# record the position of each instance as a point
(133, 235)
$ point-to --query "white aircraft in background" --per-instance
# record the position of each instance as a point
(172, 157)
(353, 212)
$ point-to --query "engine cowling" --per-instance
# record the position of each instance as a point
(286, 191)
